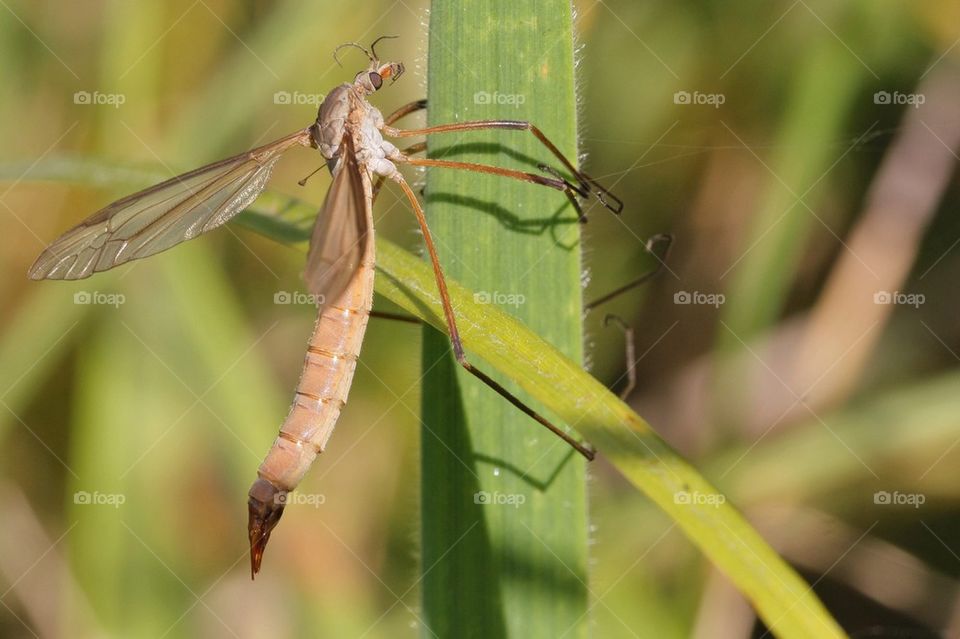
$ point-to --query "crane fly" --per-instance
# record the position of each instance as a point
(349, 133)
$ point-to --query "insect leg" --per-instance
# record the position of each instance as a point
(629, 345)
(419, 147)
(455, 342)
(558, 182)
(405, 110)
(661, 238)
(628, 333)
(586, 182)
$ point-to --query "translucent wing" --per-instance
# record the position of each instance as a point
(163, 215)
(338, 242)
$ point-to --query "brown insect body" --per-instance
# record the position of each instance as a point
(347, 133)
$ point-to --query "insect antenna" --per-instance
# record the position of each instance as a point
(336, 51)
(371, 53)
(374, 44)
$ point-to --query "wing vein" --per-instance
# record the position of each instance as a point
(163, 215)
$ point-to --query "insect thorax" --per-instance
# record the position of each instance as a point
(343, 111)
(327, 131)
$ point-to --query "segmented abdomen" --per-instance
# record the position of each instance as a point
(324, 384)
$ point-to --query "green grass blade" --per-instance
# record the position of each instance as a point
(501, 570)
(781, 598)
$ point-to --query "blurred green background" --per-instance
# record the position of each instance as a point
(801, 348)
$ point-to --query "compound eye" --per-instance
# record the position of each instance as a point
(375, 80)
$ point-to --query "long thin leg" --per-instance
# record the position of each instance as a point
(630, 348)
(631, 353)
(586, 182)
(405, 110)
(558, 183)
(455, 342)
(661, 238)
